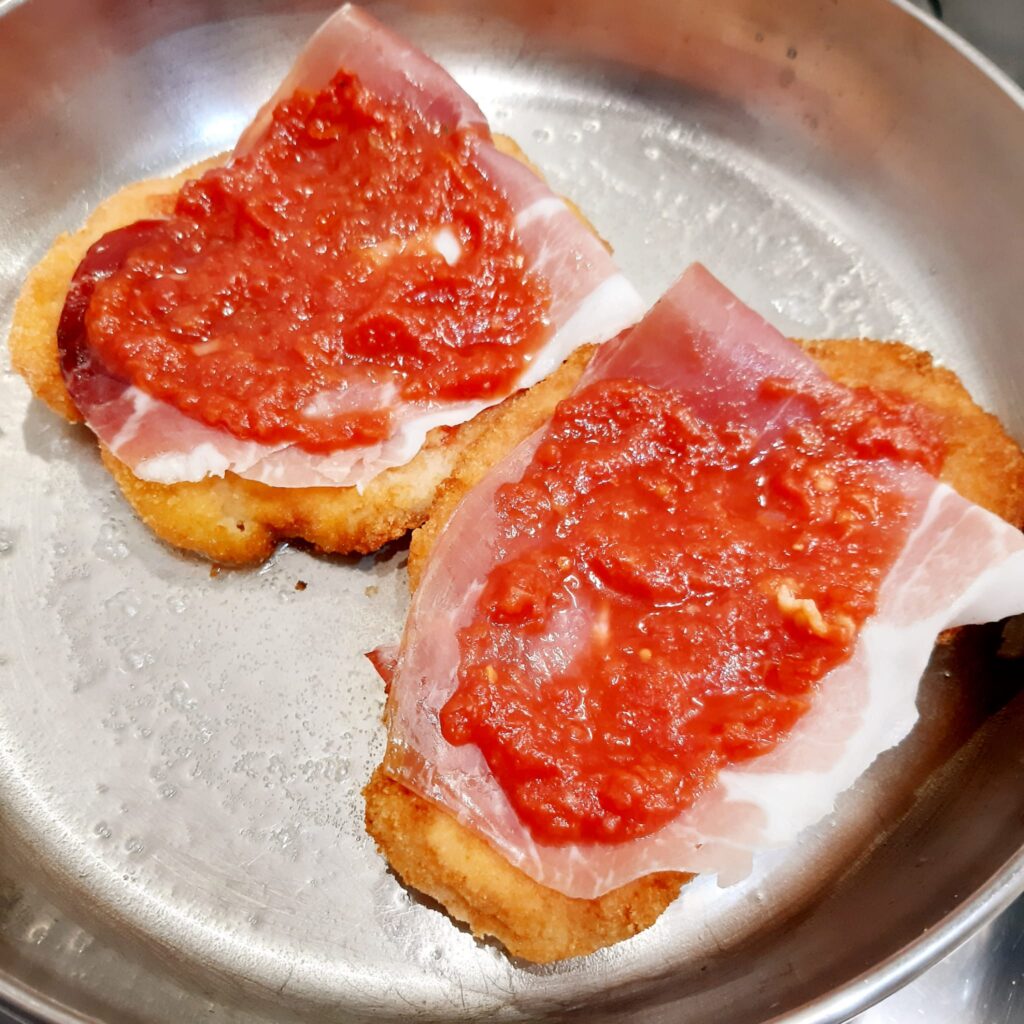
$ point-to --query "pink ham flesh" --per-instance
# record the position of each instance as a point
(384, 62)
(960, 564)
(592, 301)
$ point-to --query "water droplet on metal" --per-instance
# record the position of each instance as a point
(109, 546)
(123, 604)
(135, 659)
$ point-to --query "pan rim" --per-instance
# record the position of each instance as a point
(865, 989)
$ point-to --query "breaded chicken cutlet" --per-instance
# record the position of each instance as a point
(228, 519)
(432, 852)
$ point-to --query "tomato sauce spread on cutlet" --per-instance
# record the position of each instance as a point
(357, 256)
(672, 591)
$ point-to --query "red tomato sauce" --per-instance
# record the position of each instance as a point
(673, 594)
(311, 266)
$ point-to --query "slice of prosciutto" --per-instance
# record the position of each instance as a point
(591, 300)
(959, 564)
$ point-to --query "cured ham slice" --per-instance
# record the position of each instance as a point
(959, 564)
(591, 301)
(384, 62)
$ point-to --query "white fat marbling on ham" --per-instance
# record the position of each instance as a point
(960, 565)
(163, 445)
(352, 395)
(592, 301)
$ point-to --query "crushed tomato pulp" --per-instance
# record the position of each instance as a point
(669, 594)
(357, 256)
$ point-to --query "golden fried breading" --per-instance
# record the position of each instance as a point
(227, 519)
(432, 852)
(235, 521)
(457, 868)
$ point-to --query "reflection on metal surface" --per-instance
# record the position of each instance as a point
(180, 826)
(981, 983)
(996, 27)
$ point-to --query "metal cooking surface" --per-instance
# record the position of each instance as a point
(181, 754)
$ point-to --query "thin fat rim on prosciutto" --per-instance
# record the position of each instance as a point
(960, 564)
(591, 300)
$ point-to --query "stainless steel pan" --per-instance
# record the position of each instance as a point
(181, 756)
